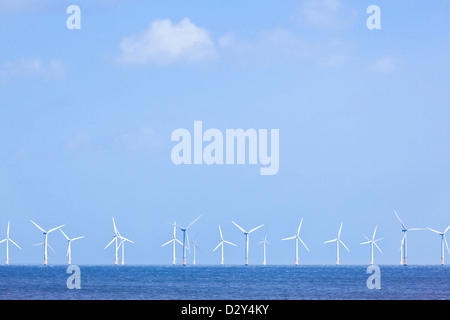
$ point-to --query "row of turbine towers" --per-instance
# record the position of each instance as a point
(370, 241)
(120, 241)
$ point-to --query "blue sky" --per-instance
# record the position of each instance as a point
(86, 117)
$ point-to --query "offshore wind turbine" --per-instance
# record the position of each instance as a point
(372, 243)
(404, 238)
(123, 240)
(338, 241)
(443, 239)
(116, 240)
(69, 247)
(297, 239)
(246, 234)
(8, 239)
(174, 241)
(45, 243)
(186, 237)
(195, 246)
(221, 243)
(264, 242)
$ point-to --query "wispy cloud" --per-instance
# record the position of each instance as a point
(384, 65)
(165, 42)
(143, 139)
(277, 45)
(20, 6)
(326, 14)
(79, 141)
(32, 68)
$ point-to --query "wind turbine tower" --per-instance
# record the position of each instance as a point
(8, 239)
(246, 234)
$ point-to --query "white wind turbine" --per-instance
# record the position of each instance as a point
(221, 243)
(116, 239)
(122, 243)
(174, 241)
(186, 238)
(45, 243)
(372, 243)
(404, 239)
(264, 242)
(69, 247)
(8, 239)
(338, 241)
(246, 234)
(443, 239)
(297, 239)
(195, 246)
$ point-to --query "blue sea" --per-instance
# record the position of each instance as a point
(224, 282)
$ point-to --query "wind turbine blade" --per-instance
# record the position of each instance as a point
(37, 226)
(38, 244)
(110, 242)
(378, 247)
(220, 230)
(239, 227)
(329, 240)
(416, 229)
(217, 246)
(125, 239)
(254, 229)
(51, 247)
(193, 222)
(230, 243)
(374, 232)
(3, 240)
(303, 244)
(167, 242)
(446, 243)
(15, 244)
(435, 231)
(290, 238)
(367, 238)
(378, 240)
(187, 241)
(367, 242)
(344, 245)
(7, 231)
(179, 241)
(299, 227)
(114, 225)
(77, 238)
(446, 229)
(400, 220)
(340, 230)
(174, 224)
(51, 230)
(65, 235)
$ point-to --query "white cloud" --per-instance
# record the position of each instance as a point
(384, 65)
(32, 68)
(80, 140)
(144, 139)
(19, 6)
(165, 42)
(326, 14)
(282, 45)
